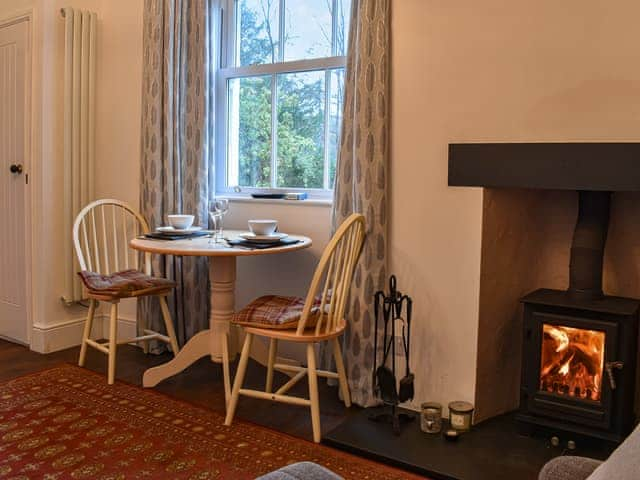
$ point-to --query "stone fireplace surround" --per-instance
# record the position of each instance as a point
(526, 237)
(526, 240)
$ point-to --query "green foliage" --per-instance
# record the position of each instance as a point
(300, 117)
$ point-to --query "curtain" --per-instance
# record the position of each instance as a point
(361, 179)
(177, 141)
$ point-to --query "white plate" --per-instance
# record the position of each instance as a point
(178, 231)
(274, 237)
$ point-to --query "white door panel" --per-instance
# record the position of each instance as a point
(13, 273)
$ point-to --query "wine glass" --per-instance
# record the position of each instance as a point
(215, 222)
(218, 208)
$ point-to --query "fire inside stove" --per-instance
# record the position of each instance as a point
(572, 361)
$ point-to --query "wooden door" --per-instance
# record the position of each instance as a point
(13, 181)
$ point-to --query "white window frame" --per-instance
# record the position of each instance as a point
(228, 71)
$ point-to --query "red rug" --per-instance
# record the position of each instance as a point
(68, 423)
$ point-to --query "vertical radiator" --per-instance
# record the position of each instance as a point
(79, 130)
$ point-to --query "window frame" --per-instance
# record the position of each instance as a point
(227, 71)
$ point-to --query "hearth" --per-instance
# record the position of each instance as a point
(580, 346)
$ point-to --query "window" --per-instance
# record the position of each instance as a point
(280, 94)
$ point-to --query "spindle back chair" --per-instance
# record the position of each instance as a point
(101, 234)
(322, 319)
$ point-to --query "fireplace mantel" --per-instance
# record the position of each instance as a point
(551, 166)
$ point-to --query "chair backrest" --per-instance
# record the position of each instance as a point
(101, 234)
(332, 279)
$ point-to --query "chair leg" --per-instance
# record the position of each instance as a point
(113, 343)
(88, 325)
(141, 325)
(342, 374)
(273, 351)
(168, 323)
(313, 392)
(237, 383)
(226, 376)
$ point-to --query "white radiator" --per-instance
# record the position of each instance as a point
(79, 130)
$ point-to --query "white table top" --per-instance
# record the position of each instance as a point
(201, 247)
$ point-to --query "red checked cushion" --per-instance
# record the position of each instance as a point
(127, 283)
(276, 312)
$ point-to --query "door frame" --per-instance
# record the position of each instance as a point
(31, 146)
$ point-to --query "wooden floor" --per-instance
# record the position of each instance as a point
(200, 384)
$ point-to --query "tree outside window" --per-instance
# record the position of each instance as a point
(284, 93)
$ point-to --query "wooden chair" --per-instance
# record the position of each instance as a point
(320, 318)
(101, 235)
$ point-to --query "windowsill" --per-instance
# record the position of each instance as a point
(309, 202)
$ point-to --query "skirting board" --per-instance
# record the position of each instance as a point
(60, 336)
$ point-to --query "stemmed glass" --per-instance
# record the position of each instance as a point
(218, 208)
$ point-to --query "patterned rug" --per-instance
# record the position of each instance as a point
(67, 423)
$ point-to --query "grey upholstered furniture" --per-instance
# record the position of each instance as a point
(301, 471)
(623, 464)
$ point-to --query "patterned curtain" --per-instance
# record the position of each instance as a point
(177, 142)
(361, 180)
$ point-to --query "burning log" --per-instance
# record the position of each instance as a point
(572, 361)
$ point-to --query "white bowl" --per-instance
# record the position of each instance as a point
(180, 222)
(263, 227)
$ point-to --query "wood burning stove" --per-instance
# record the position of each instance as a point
(579, 363)
(580, 347)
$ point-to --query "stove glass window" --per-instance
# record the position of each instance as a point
(572, 362)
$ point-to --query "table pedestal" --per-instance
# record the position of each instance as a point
(220, 341)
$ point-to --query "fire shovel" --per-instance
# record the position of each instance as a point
(406, 390)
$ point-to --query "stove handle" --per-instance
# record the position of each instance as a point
(609, 366)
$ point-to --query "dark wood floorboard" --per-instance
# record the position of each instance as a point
(200, 384)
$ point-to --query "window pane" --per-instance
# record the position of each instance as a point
(308, 29)
(249, 132)
(301, 130)
(257, 31)
(336, 100)
(343, 15)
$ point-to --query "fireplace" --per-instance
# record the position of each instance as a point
(579, 346)
(579, 364)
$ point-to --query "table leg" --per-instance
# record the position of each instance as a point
(219, 341)
(197, 347)
(222, 276)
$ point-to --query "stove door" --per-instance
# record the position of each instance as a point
(565, 368)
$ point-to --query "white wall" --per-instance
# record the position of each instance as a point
(118, 106)
(488, 71)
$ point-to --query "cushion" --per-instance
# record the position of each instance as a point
(623, 463)
(126, 283)
(301, 471)
(276, 312)
(567, 467)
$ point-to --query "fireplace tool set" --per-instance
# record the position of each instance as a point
(391, 310)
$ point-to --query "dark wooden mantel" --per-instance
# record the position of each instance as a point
(552, 166)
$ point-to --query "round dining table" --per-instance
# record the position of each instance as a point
(216, 340)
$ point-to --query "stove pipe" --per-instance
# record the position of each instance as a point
(587, 248)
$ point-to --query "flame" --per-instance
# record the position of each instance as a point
(564, 369)
(572, 361)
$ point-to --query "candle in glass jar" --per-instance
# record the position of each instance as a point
(460, 415)
(431, 417)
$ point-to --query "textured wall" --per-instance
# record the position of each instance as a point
(526, 238)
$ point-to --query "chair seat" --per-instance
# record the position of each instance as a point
(124, 284)
(290, 335)
(276, 312)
